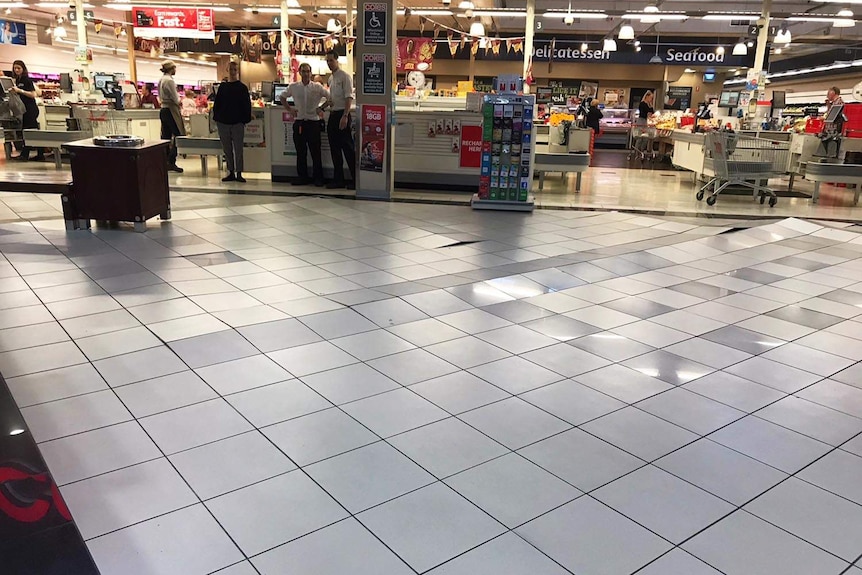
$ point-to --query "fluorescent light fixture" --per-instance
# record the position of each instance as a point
(783, 37)
(843, 23)
(626, 32)
(845, 13)
(52, 5)
(651, 9)
(825, 19)
(477, 29)
(465, 5)
(17, 431)
(728, 17)
(643, 17)
(425, 12)
(740, 49)
(275, 10)
(492, 13)
(8, 5)
(578, 15)
(777, 51)
(690, 70)
(609, 45)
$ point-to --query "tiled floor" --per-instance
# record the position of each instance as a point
(310, 385)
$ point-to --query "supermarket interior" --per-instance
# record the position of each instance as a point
(535, 286)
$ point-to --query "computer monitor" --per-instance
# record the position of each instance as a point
(66, 83)
(834, 113)
(6, 84)
(266, 91)
(728, 99)
(277, 90)
(99, 80)
(708, 77)
(779, 99)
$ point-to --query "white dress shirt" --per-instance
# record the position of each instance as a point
(306, 99)
(340, 89)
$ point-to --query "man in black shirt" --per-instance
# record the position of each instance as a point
(231, 112)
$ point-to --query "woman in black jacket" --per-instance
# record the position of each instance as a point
(593, 115)
(28, 92)
(231, 112)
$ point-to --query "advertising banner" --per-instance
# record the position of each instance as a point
(252, 47)
(677, 98)
(373, 126)
(13, 33)
(414, 54)
(173, 22)
(471, 146)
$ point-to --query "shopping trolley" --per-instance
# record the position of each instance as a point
(642, 143)
(738, 160)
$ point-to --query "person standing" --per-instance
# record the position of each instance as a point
(338, 130)
(592, 116)
(147, 96)
(833, 98)
(646, 108)
(307, 96)
(170, 115)
(28, 92)
(231, 112)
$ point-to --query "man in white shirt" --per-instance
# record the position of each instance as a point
(338, 129)
(169, 115)
(307, 97)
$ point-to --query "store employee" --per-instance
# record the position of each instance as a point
(338, 130)
(307, 97)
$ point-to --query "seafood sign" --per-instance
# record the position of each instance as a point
(415, 54)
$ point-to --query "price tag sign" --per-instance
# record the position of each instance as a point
(374, 33)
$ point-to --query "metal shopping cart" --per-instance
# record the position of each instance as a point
(738, 160)
(642, 143)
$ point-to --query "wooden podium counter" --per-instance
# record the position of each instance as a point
(120, 184)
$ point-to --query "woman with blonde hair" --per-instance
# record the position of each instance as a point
(646, 107)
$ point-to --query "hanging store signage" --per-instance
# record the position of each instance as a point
(677, 98)
(471, 147)
(72, 15)
(13, 32)
(174, 22)
(415, 54)
(373, 126)
(374, 74)
(374, 32)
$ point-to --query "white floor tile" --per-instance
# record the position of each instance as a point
(426, 332)
(467, 352)
(512, 489)
(117, 343)
(678, 562)
(189, 541)
(311, 358)
(566, 360)
(838, 396)
(74, 415)
(243, 374)
(212, 348)
(195, 425)
(121, 498)
(690, 410)
(572, 402)
(495, 420)
(38, 359)
(319, 435)
(837, 473)
(276, 335)
(229, 464)
(164, 393)
(623, 383)
(55, 384)
(640, 433)
(372, 344)
(812, 419)
(139, 365)
(394, 412)
(358, 552)
(278, 402)
(450, 526)
(586, 537)
(459, 392)
(505, 555)
(515, 374)
(412, 366)
(275, 511)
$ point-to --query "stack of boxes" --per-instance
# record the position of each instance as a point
(507, 140)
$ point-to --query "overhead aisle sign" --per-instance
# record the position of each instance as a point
(173, 22)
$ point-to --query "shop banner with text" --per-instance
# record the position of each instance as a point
(13, 33)
(415, 54)
(173, 22)
(471, 146)
(373, 126)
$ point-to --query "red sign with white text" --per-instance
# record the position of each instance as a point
(173, 22)
(471, 146)
(373, 127)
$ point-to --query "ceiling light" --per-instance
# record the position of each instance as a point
(465, 5)
(426, 12)
(584, 47)
(843, 23)
(646, 18)
(740, 49)
(54, 5)
(824, 19)
(333, 25)
(477, 29)
(579, 15)
(845, 13)
(9, 5)
(783, 36)
(719, 50)
(626, 33)
(690, 71)
(494, 13)
(7, 11)
(609, 45)
(275, 10)
(59, 32)
(750, 44)
(569, 20)
(651, 8)
(728, 17)
(777, 51)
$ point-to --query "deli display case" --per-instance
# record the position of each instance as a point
(615, 127)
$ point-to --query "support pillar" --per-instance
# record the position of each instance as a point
(529, 29)
(285, 46)
(375, 98)
(81, 27)
(349, 28)
(130, 45)
(762, 46)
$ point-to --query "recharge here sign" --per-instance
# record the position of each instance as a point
(173, 22)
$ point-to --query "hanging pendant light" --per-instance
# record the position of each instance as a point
(740, 49)
(656, 59)
(609, 45)
(783, 36)
(626, 33)
(719, 50)
(333, 25)
(477, 29)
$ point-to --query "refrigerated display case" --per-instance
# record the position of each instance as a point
(615, 128)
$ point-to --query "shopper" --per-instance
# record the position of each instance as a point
(646, 107)
(147, 96)
(170, 116)
(307, 97)
(593, 115)
(833, 98)
(189, 104)
(339, 130)
(27, 90)
(231, 112)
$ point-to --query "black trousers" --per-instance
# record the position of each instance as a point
(170, 131)
(341, 144)
(28, 122)
(306, 138)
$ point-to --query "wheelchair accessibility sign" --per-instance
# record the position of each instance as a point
(374, 31)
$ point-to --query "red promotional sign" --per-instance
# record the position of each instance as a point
(471, 146)
(373, 126)
(173, 22)
(414, 54)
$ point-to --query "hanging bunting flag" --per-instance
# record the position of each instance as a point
(436, 30)
(422, 24)
(495, 47)
(474, 48)
(434, 48)
(518, 45)
(196, 40)
(487, 45)
(327, 42)
(453, 46)
(118, 29)
(462, 42)
(350, 45)
(273, 36)
(529, 79)
(97, 24)
(217, 38)
(233, 36)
